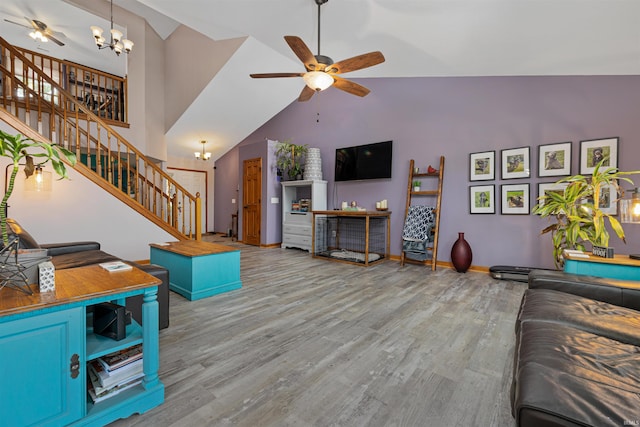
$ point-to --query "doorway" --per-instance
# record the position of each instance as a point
(251, 201)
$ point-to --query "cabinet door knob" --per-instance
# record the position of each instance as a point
(75, 365)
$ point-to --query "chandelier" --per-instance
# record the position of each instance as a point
(117, 43)
(202, 155)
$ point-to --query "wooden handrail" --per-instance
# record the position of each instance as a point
(104, 156)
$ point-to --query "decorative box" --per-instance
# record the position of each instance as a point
(46, 276)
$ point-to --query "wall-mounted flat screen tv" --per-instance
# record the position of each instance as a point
(370, 161)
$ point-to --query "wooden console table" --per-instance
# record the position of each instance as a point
(358, 237)
(198, 269)
(47, 340)
(619, 267)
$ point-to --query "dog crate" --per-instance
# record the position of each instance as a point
(350, 238)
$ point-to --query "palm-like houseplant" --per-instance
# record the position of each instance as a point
(578, 217)
(289, 158)
(34, 153)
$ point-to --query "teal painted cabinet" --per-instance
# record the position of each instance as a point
(198, 269)
(38, 387)
(46, 341)
(620, 267)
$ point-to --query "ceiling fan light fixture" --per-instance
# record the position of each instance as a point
(38, 36)
(317, 80)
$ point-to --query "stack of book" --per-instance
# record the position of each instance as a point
(114, 373)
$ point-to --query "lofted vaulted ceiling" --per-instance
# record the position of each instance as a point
(417, 37)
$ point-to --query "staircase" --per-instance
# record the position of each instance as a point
(34, 102)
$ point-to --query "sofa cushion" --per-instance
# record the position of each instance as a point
(80, 259)
(600, 318)
(574, 377)
(549, 397)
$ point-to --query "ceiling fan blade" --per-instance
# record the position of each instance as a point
(271, 75)
(356, 63)
(53, 39)
(350, 87)
(38, 25)
(306, 94)
(302, 51)
(16, 23)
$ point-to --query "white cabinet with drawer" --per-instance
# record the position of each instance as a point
(296, 225)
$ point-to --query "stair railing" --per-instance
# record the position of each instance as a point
(40, 103)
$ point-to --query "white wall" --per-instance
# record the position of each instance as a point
(62, 216)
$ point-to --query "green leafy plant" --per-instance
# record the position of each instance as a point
(17, 148)
(417, 183)
(290, 158)
(576, 211)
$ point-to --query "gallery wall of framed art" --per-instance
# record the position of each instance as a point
(554, 161)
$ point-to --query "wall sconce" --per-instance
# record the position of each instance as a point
(39, 181)
(630, 208)
(202, 155)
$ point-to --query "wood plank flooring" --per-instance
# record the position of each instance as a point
(310, 342)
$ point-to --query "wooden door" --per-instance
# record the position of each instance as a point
(251, 200)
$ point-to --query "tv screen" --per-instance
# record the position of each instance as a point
(370, 161)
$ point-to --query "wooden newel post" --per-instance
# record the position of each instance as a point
(174, 211)
(198, 219)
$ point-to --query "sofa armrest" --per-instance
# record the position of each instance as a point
(623, 293)
(54, 249)
(134, 304)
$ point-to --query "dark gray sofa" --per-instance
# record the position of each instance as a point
(577, 352)
(79, 254)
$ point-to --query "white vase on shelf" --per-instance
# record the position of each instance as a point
(313, 165)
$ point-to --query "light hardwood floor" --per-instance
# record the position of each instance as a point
(310, 342)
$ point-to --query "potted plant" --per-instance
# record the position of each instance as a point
(290, 158)
(417, 185)
(576, 211)
(34, 153)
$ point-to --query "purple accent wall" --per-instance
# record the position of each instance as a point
(453, 117)
(226, 183)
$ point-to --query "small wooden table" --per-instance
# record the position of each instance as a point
(356, 237)
(198, 269)
(619, 267)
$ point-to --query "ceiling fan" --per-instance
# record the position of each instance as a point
(322, 71)
(41, 32)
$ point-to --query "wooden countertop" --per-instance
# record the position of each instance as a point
(617, 259)
(75, 285)
(193, 248)
(353, 213)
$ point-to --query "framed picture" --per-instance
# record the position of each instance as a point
(482, 199)
(482, 166)
(554, 159)
(550, 187)
(515, 199)
(609, 199)
(516, 163)
(594, 151)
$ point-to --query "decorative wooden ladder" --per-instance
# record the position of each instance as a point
(439, 174)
